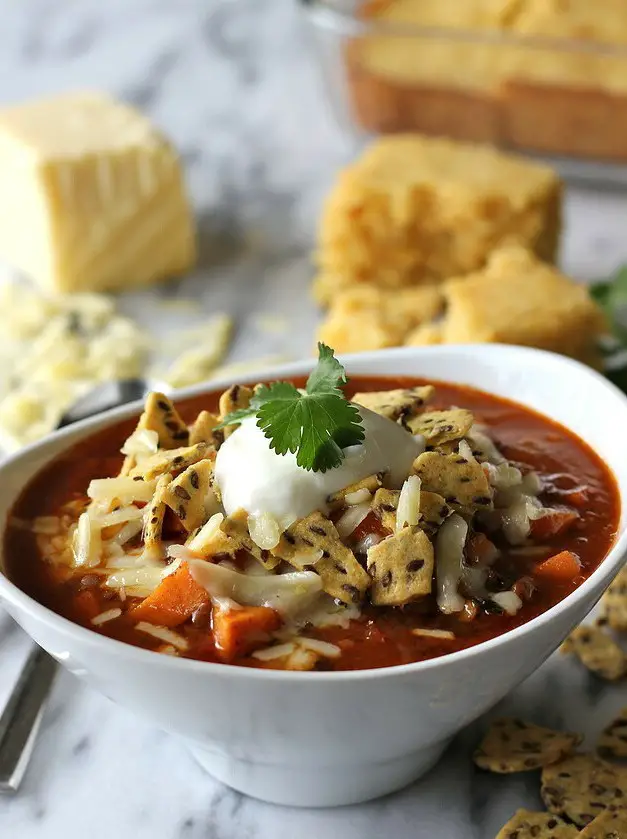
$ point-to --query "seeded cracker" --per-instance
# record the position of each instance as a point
(462, 483)
(438, 427)
(384, 506)
(342, 576)
(153, 517)
(433, 511)
(607, 825)
(512, 745)
(236, 527)
(161, 416)
(174, 460)
(401, 568)
(398, 405)
(613, 740)
(202, 431)
(234, 399)
(187, 494)
(371, 483)
(528, 825)
(580, 787)
(614, 602)
(597, 651)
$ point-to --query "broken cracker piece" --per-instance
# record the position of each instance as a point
(614, 602)
(610, 824)
(462, 483)
(398, 405)
(203, 430)
(187, 494)
(235, 398)
(173, 460)
(512, 745)
(401, 567)
(581, 786)
(161, 416)
(153, 516)
(433, 511)
(384, 506)
(438, 427)
(371, 484)
(341, 574)
(236, 527)
(613, 740)
(597, 651)
(526, 824)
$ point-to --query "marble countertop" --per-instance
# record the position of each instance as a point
(235, 86)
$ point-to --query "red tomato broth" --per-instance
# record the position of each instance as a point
(382, 636)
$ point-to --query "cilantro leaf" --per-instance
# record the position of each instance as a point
(315, 424)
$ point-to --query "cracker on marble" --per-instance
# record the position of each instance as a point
(597, 651)
(513, 745)
(526, 824)
(582, 786)
(613, 740)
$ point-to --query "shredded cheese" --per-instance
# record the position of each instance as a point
(163, 634)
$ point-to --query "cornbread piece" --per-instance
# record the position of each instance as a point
(516, 299)
(439, 85)
(93, 196)
(401, 568)
(562, 101)
(513, 745)
(368, 318)
(414, 210)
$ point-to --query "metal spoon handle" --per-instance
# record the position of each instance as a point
(22, 715)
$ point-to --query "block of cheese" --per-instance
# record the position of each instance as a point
(93, 196)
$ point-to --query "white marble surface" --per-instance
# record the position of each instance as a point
(234, 85)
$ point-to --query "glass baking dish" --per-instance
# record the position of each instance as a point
(560, 99)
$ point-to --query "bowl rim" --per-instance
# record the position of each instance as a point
(508, 356)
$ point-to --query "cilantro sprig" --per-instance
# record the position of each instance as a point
(316, 424)
(611, 296)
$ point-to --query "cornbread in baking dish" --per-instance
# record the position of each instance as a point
(414, 210)
(569, 101)
(517, 299)
(470, 83)
(434, 84)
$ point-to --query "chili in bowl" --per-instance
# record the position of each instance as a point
(389, 554)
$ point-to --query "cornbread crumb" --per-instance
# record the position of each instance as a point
(367, 318)
(414, 210)
(517, 299)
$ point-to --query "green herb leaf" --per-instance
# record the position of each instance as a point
(316, 424)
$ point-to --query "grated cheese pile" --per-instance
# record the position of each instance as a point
(54, 349)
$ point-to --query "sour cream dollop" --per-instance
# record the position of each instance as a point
(253, 477)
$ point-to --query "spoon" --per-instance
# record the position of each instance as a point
(22, 715)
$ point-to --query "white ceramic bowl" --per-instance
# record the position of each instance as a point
(321, 739)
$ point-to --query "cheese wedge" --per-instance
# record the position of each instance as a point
(93, 196)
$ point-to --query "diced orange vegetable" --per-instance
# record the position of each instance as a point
(370, 524)
(174, 600)
(578, 497)
(480, 550)
(553, 524)
(87, 605)
(562, 567)
(239, 631)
